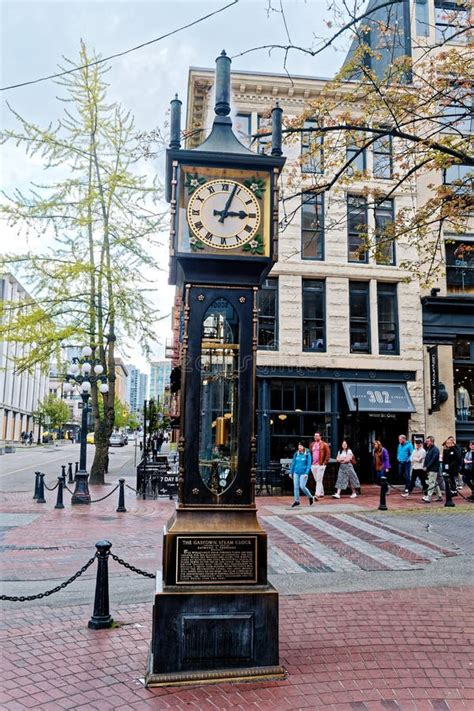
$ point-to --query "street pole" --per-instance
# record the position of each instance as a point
(81, 492)
(38, 441)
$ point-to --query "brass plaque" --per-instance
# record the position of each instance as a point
(213, 560)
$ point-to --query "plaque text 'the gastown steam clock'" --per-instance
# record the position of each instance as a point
(215, 614)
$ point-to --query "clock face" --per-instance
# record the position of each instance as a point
(223, 214)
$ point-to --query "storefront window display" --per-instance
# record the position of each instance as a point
(463, 352)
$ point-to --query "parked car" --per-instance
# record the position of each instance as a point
(132, 437)
(117, 439)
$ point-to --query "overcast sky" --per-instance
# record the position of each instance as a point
(35, 35)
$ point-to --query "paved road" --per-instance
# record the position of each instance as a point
(17, 470)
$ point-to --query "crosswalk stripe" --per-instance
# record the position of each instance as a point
(394, 537)
(381, 556)
(281, 562)
(323, 553)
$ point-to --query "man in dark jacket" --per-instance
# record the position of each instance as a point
(431, 468)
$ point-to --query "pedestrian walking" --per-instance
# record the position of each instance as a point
(299, 472)
(404, 452)
(468, 469)
(23, 437)
(417, 461)
(159, 441)
(320, 456)
(431, 469)
(381, 461)
(30, 438)
(452, 462)
(346, 474)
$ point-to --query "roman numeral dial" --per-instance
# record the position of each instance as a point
(224, 214)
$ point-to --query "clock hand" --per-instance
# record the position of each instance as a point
(228, 203)
(240, 214)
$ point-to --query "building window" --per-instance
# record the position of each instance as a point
(312, 156)
(356, 153)
(460, 177)
(243, 128)
(387, 310)
(359, 310)
(264, 124)
(463, 362)
(382, 156)
(458, 116)
(357, 228)
(422, 18)
(384, 242)
(267, 306)
(452, 21)
(460, 266)
(314, 330)
(312, 226)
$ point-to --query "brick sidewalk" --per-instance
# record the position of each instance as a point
(381, 651)
(397, 650)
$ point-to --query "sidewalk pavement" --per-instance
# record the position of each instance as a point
(373, 649)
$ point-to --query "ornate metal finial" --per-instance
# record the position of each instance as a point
(175, 123)
(222, 105)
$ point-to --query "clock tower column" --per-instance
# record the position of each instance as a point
(215, 614)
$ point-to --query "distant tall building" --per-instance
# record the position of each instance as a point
(159, 379)
(142, 388)
(136, 388)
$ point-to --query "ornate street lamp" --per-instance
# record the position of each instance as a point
(83, 373)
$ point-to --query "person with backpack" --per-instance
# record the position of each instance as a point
(452, 462)
(299, 472)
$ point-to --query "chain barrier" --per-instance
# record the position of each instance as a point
(28, 598)
(131, 488)
(96, 501)
(51, 488)
(65, 486)
(132, 567)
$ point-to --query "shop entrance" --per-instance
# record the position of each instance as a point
(361, 431)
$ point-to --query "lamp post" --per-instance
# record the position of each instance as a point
(83, 373)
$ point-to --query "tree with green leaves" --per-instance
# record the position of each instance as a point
(54, 410)
(92, 233)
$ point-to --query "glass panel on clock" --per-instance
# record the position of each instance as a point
(218, 426)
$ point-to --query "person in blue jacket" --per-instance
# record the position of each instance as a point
(299, 471)
(404, 452)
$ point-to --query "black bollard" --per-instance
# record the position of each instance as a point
(41, 499)
(121, 502)
(76, 468)
(35, 495)
(63, 473)
(101, 617)
(59, 499)
(383, 493)
(449, 497)
(70, 478)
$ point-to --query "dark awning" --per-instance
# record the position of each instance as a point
(378, 397)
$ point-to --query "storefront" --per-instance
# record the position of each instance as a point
(448, 332)
(359, 406)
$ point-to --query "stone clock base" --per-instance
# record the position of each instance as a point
(212, 635)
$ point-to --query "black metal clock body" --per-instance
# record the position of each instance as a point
(214, 474)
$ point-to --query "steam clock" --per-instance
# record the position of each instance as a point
(215, 614)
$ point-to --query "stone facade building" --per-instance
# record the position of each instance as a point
(20, 392)
(340, 330)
